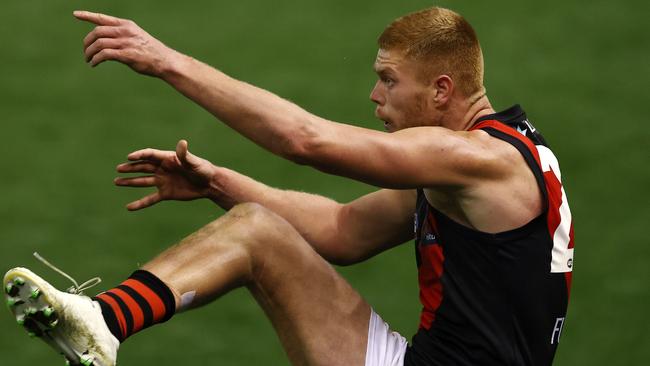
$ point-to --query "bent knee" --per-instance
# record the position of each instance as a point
(266, 229)
(240, 219)
(254, 213)
(258, 230)
(259, 222)
(248, 209)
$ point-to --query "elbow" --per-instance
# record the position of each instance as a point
(341, 260)
(344, 262)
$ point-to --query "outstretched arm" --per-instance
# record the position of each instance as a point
(410, 158)
(341, 233)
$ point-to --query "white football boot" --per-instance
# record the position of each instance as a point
(69, 322)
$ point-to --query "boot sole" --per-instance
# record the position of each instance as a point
(36, 309)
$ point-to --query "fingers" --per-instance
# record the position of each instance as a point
(153, 155)
(108, 54)
(104, 43)
(101, 32)
(144, 181)
(101, 44)
(97, 18)
(137, 167)
(108, 40)
(144, 202)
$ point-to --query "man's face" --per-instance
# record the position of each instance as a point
(402, 99)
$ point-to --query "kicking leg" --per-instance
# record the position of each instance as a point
(319, 318)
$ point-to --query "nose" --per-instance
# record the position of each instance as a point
(376, 94)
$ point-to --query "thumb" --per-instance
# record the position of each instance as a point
(185, 156)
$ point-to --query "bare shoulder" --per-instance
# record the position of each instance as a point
(493, 169)
(485, 156)
(491, 146)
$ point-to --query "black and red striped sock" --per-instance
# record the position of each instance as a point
(138, 303)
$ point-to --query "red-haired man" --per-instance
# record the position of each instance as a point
(493, 228)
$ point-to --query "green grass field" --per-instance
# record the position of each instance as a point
(580, 69)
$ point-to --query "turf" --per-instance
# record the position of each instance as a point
(579, 68)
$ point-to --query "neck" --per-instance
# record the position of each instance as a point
(472, 109)
(478, 108)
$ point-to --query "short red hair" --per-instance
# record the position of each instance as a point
(443, 41)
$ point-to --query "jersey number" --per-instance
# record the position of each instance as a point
(562, 253)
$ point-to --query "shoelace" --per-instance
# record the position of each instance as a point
(75, 289)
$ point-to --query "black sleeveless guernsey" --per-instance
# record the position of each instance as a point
(495, 299)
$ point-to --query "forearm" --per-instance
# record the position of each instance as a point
(313, 216)
(268, 120)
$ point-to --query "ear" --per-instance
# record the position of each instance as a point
(443, 88)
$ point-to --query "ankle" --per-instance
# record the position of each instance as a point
(138, 303)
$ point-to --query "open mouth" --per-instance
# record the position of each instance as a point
(387, 124)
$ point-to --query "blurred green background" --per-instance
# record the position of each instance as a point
(580, 68)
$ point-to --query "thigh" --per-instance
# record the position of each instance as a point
(319, 317)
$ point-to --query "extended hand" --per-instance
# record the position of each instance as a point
(124, 41)
(178, 175)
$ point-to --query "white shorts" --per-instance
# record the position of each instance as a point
(385, 347)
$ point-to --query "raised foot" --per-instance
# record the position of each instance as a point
(58, 318)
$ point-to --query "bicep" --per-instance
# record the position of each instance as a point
(411, 158)
(374, 223)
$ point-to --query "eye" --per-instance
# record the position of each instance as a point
(388, 82)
